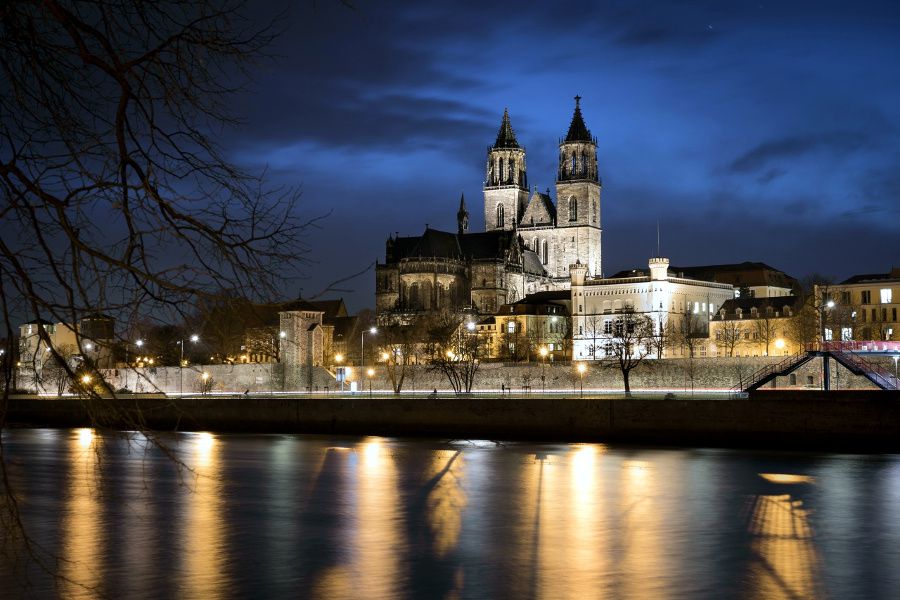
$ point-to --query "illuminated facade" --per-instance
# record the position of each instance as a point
(527, 246)
(756, 327)
(598, 305)
(865, 307)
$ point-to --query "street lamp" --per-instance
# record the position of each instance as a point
(543, 353)
(362, 344)
(896, 358)
(371, 374)
(581, 370)
(194, 339)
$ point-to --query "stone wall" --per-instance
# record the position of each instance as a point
(677, 375)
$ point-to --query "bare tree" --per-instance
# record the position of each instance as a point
(113, 195)
(764, 327)
(631, 344)
(458, 360)
(397, 343)
(730, 335)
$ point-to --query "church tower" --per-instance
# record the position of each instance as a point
(506, 183)
(578, 192)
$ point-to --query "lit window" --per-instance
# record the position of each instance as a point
(828, 335)
(846, 334)
(511, 326)
(886, 296)
(696, 307)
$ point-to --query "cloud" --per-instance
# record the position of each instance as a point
(836, 142)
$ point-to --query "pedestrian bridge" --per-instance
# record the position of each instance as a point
(851, 355)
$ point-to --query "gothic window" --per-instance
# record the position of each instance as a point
(502, 171)
(574, 163)
(545, 255)
(500, 219)
(573, 208)
(534, 244)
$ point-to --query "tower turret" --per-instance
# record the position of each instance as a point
(462, 215)
(506, 182)
(578, 190)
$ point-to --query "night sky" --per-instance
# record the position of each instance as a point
(751, 131)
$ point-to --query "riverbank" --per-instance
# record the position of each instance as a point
(859, 421)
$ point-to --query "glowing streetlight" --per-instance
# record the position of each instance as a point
(86, 379)
(89, 346)
(362, 344)
(194, 339)
(371, 373)
(385, 356)
(779, 343)
(581, 369)
(543, 352)
(450, 354)
(470, 326)
(282, 334)
(338, 358)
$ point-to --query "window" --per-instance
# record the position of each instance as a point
(845, 298)
(866, 296)
(607, 326)
(545, 254)
(511, 326)
(500, 216)
(846, 334)
(886, 295)
(703, 350)
(828, 335)
(810, 380)
(792, 379)
(894, 314)
(573, 208)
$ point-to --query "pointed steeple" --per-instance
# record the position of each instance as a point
(462, 215)
(506, 137)
(578, 131)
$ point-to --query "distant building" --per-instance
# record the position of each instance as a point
(759, 279)
(669, 300)
(865, 307)
(756, 327)
(92, 340)
(519, 330)
(527, 246)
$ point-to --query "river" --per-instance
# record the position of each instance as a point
(258, 516)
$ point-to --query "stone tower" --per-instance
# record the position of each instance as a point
(506, 183)
(578, 192)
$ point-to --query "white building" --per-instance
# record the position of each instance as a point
(597, 305)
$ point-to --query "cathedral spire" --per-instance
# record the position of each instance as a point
(578, 131)
(462, 215)
(506, 137)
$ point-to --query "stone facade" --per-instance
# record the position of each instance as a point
(527, 247)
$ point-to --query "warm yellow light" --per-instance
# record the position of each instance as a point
(85, 437)
(370, 372)
(450, 354)
(86, 379)
(348, 372)
(779, 344)
(205, 376)
(786, 478)
(385, 356)
(338, 357)
(581, 368)
(543, 352)
(150, 361)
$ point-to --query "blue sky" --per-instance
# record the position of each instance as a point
(750, 130)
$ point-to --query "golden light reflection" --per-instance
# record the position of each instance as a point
(375, 568)
(641, 514)
(787, 478)
(446, 500)
(787, 563)
(82, 527)
(203, 542)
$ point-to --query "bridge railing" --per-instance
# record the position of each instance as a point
(878, 374)
(855, 346)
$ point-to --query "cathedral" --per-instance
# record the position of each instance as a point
(528, 244)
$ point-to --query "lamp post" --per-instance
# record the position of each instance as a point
(543, 353)
(194, 339)
(896, 358)
(137, 343)
(342, 375)
(371, 374)
(581, 370)
(362, 345)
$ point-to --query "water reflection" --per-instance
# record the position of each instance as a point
(203, 542)
(301, 516)
(83, 530)
(786, 561)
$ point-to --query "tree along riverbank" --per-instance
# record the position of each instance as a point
(863, 421)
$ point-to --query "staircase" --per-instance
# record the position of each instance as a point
(857, 365)
(770, 372)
